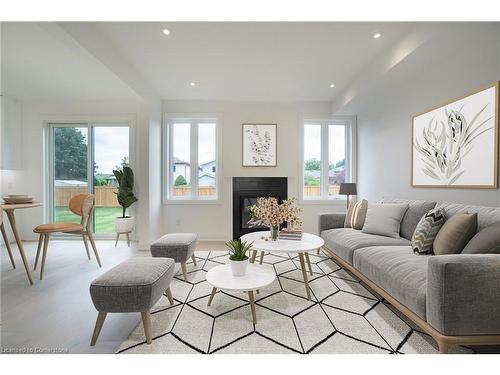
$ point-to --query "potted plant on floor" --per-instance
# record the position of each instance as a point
(238, 256)
(126, 198)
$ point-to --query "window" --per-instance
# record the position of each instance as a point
(326, 157)
(82, 159)
(191, 159)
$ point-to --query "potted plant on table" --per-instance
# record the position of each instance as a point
(238, 256)
(126, 198)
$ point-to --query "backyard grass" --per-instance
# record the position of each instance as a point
(104, 217)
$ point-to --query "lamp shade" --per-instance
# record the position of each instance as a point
(348, 189)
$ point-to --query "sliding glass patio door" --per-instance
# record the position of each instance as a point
(82, 159)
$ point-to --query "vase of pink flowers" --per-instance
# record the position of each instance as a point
(269, 212)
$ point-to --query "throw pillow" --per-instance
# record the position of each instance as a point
(355, 217)
(384, 219)
(427, 230)
(455, 234)
(486, 241)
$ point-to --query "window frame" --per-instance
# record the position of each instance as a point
(350, 152)
(167, 158)
(90, 122)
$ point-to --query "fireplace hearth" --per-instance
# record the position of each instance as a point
(246, 190)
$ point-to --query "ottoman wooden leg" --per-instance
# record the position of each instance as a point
(194, 260)
(184, 271)
(261, 257)
(146, 322)
(169, 296)
(98, 325)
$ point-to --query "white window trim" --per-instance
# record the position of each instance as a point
(351, 141)
(52, 121)
(167, 157)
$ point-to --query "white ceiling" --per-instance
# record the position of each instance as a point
(35, 65)
(228, 61)
(250, 61)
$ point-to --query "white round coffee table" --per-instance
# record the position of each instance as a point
(256, 277)
(309, 242)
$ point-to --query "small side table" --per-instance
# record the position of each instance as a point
(9, 209)
(257, 277)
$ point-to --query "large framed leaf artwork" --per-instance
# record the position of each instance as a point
(456, 145)
(259, 145)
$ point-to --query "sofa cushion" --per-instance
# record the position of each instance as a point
(426, 231)
(486, 241)
(485, 215)
(344, 241)
(356, 214)
(398, 271)
(384, 219)
(416, 209)
(455, 234)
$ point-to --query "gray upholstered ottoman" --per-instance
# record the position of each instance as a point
(178, 246)
(132, 286)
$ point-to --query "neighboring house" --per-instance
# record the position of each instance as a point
(335, 175)
(208, 167)
(206, 171)
(181, 168)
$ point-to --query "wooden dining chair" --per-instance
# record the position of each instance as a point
(81, 205)
(6, 239)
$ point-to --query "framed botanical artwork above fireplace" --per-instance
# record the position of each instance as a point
(455, 145)
(259, 145)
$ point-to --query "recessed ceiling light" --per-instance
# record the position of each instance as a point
(166, 31)
(332, 85)
(192, 83)
(377, 35)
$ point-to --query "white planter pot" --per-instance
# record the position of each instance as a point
(124, 224)
(239, 267)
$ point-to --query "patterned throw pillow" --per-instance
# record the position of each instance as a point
(427, 230)
(356, 215)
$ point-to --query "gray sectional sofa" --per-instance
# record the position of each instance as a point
(454, 298)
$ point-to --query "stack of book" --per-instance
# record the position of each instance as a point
(291, 234)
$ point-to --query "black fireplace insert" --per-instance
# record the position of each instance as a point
(246, 190)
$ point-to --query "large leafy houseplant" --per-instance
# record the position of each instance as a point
(125, 194)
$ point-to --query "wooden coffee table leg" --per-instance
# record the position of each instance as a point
(309, 263)
(261, 257)
(304, 274)
(12, 221)
(252, 306)
(214, 290)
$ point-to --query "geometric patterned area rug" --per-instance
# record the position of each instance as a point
(342, 317)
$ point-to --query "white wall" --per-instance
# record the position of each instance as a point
(214, 221)
(31, 179)
(385, 118)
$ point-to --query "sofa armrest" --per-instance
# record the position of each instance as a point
(330, 220)
(463, 294)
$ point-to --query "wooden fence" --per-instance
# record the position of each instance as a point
(315, 191)
(204, 191)
(104, 195)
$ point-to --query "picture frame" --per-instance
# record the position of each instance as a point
(259, 145)
(455, 145)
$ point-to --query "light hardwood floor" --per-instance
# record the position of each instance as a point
(57, 313)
